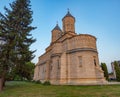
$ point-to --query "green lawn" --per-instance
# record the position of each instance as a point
(28, 89)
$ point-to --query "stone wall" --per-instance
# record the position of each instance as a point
(57, 48)
(68, 24)
(55, 70)
(82, 41)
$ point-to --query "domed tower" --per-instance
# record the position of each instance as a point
(68, 23)
(56, 33)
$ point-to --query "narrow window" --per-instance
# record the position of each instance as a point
(58, 64)
(51, 64)
(95, 61)
(80, 61)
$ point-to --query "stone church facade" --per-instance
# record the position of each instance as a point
(70, 59)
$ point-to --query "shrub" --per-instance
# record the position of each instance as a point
(117, 71)
(37, 82)
(104, 68)
(46, 83)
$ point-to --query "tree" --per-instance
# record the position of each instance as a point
(27, 71)
(117, 70)
(15, 28)
(104, 68)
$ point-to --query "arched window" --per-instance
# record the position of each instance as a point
(58, 63)
(95, 61)
(80, 61)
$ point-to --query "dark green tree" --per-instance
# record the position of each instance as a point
(15, 28)
(117, 70)
(27, 71)
(104, 68)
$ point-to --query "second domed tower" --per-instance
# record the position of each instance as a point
(68, 23)
(56, 33)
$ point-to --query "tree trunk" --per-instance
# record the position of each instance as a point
(2, 81)
(1, 84)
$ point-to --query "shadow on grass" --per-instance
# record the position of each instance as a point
(15, 84)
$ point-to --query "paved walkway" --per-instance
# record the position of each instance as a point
(113, 83)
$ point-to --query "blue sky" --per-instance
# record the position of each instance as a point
(100, 18)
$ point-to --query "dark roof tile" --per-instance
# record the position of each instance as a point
(57, 28)
(68, 15)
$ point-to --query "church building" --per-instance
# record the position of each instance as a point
(71, 58)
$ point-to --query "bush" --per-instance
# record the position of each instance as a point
(17, 78)
(117, 71)
(37, 82)
(104, 68)
(46, 83)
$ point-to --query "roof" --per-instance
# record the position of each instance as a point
(68, 15)
(57, 28)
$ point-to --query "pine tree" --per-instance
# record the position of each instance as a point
(104, 68)
(117, 70)
(15, 28)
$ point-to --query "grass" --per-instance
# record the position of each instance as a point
(28, 89)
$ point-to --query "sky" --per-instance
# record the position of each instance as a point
(100, 18)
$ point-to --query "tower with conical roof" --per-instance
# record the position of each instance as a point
(68, 23)
(56, 33)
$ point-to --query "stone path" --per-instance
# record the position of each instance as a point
(113, 83)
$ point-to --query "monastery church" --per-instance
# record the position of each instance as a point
(70, 59)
